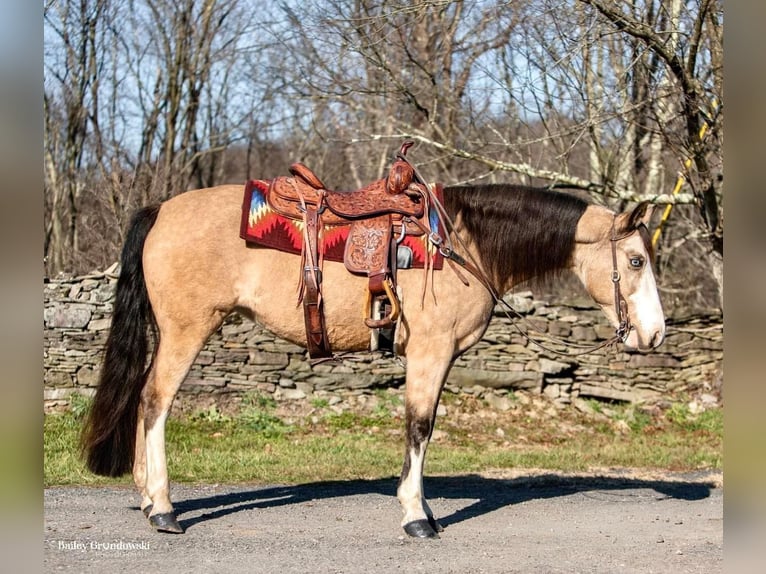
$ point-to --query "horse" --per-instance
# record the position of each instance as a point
(184, 269)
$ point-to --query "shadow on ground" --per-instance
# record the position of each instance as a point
(490, 494)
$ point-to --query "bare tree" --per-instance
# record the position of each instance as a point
(138, 107)
(75, 42)
(687, 43)
(377, 70)
(181, 58)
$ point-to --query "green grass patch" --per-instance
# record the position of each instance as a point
(255, 445)
(62, 463)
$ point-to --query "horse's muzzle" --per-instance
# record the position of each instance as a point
(653, 340)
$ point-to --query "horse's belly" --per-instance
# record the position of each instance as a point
(446, 309)
(269, 289)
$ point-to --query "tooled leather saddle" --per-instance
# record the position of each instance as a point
(378, 215)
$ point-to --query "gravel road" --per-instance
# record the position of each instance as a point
(613, 522)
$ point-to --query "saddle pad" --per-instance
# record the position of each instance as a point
(262, 226)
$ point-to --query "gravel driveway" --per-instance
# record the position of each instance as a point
(548, 523)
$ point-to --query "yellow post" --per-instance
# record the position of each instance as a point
(680, 182)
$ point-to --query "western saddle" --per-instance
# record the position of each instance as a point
(378, 215)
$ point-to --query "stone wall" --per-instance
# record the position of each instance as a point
(243, 357)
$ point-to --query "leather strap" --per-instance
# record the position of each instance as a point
(620, 305)
(313, 314)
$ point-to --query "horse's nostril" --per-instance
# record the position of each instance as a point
(657, 339)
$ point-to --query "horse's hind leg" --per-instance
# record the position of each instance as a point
(139, 463)
(425, 377)
(177, 350)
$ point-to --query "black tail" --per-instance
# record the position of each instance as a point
(109, 435)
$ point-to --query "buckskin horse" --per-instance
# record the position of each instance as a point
(185, 268)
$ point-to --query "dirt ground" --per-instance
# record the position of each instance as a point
(535, 522)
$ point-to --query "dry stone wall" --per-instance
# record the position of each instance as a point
(243, 357)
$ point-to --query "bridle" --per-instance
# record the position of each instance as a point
(620, 305)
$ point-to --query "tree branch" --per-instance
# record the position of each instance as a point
(557, 178)
(652, 40)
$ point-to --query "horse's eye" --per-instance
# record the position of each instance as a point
(636, 262)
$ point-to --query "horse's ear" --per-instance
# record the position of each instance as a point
(641, 215)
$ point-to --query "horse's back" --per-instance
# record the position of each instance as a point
(200, 215)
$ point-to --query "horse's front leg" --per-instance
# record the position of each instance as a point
(425, 377)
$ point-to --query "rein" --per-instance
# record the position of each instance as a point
(445, 247)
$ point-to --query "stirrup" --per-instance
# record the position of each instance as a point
(388, 321)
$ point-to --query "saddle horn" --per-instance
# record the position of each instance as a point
(309, 177)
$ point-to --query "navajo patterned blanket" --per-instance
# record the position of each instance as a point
(262, 226)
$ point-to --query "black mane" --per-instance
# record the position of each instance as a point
(520, 232)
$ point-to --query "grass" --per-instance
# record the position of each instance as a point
(258, 444)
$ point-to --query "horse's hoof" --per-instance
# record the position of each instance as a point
(420, 529)
(435, 524)
(166, 522)
(147, 511)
